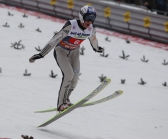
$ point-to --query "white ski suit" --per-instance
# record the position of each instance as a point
(67, 43)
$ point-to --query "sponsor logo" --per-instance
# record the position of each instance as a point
(77, 42)
(68, 46)
(91, 9)
(74, 41)
(76, 70)
(97, 90)
(117, 93)
(79, 35)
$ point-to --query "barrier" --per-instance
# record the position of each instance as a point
(112, 17)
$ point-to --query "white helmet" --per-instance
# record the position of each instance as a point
(87, 13)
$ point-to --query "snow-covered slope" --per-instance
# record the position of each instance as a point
(140, 113)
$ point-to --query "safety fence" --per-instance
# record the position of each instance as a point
(109, 16)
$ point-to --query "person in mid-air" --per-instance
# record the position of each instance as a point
(66, 52)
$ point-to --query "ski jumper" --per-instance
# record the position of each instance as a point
(67, 43)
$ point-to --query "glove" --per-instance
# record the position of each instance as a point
(100, 49)
(26, 137)
(34, 57)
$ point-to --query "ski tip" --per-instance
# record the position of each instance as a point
(42, 125)
(39, 111)
(108, 79)
(48, 110)
(120, 91)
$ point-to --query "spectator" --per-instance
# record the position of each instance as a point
(161, 6)
(130, 1)
(146, 4)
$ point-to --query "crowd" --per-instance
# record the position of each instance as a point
(160, 6)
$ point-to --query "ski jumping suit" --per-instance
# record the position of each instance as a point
(67, 43)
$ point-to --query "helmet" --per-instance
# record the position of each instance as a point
(87, 13)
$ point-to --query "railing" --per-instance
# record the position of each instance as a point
(109, 16)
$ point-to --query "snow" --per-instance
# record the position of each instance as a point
(141, 112)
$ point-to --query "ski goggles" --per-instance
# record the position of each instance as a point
(89, 17)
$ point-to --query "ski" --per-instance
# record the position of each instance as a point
(114, 95)
(76, 105)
